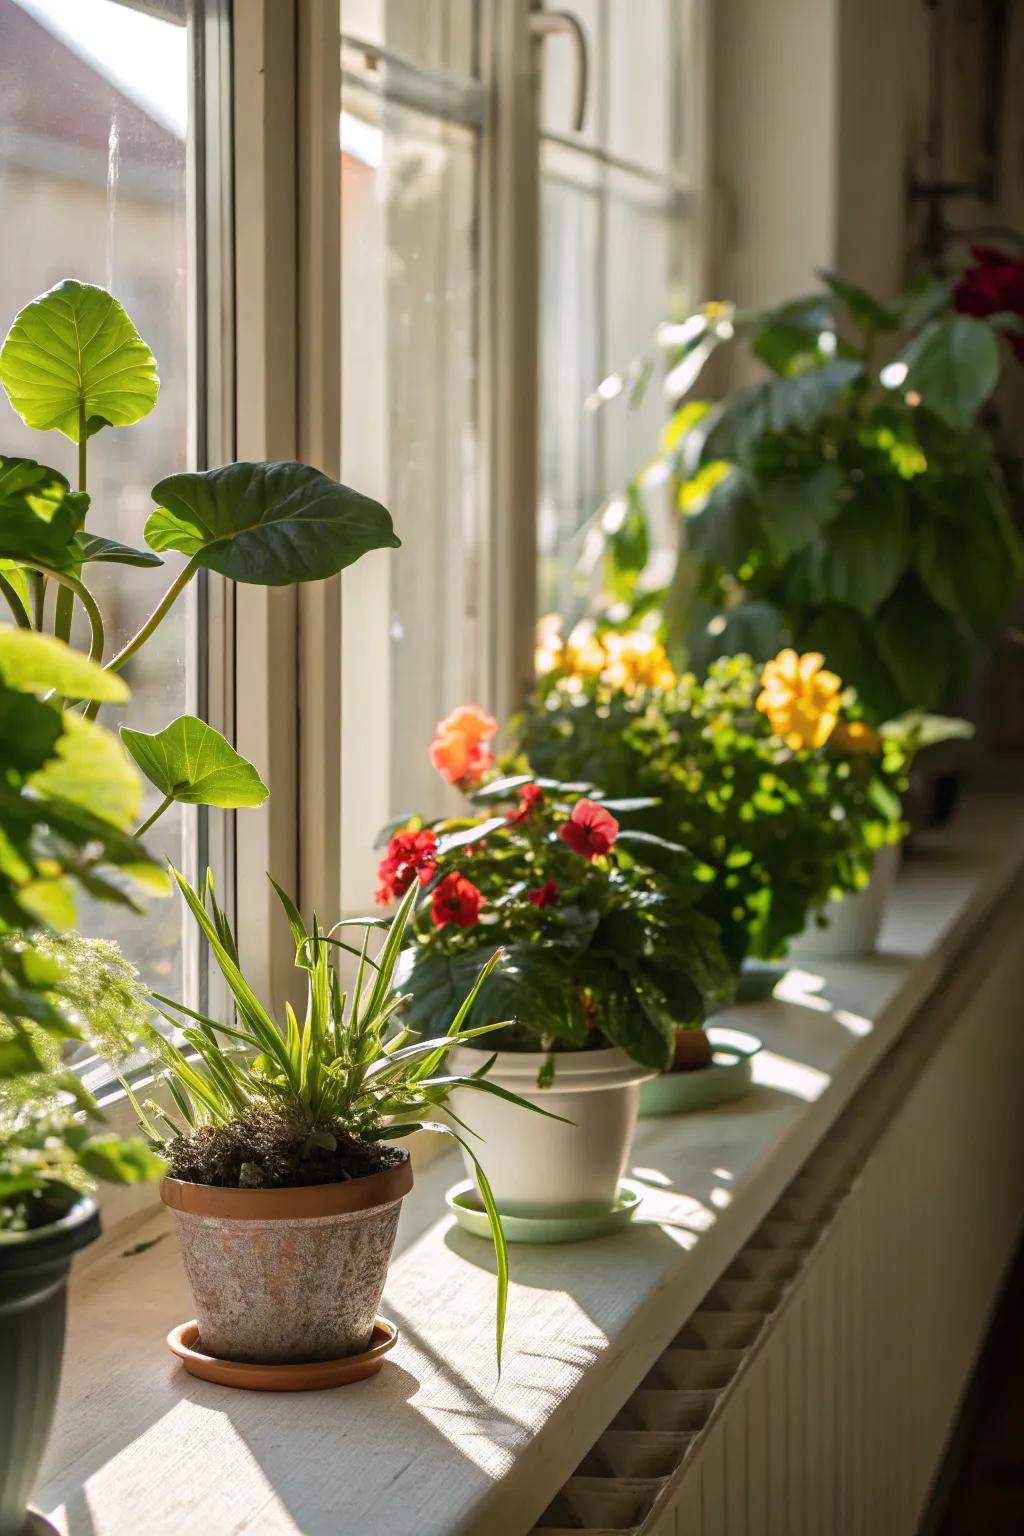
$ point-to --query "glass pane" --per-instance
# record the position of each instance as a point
(93, 124)
(412, 638)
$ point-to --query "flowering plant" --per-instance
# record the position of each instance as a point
(600, 946)
(852, 501)
(768, 776)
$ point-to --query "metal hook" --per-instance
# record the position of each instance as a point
(563, 23)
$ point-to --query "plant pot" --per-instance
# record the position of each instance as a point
(286, 1276)
(541, 1167)
(855, 922)
(34, 1270)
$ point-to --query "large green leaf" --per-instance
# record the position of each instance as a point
(32, 663)
(966, 564)
(533, 987)
(725, 529)
(29, 731)
(920, 644)
(75, 350)
(796, 507)
(90, 770)
(734, 429)
(863, 308)
(846, 640)
(192, 762)
(39, 514)
(754, 629)
(270, 524)
(953, 365)
(865, 552)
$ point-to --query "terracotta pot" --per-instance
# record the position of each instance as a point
(288, 1275)
(34, 1270)
(542, 1167)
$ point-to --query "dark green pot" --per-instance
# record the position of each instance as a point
(34, 1270)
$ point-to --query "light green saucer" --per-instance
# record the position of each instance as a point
(594, 1221)
(728, 1077)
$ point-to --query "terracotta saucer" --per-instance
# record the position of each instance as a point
(310, 1377)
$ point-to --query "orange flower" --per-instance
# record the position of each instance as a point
(800, 698)
(457, 750)
(855, 736)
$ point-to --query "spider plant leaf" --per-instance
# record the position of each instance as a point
(299, 931)
(481, 1085)
(439, 1045)
(390, 950)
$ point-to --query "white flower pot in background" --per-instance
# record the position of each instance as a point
(855, 922)
(538, 1166)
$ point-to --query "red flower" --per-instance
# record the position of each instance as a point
(545, 895)
(994, 285)
(456, 900)
(531, 797)
(590, 830)
(410, 855)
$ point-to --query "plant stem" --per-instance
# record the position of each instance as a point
(145, 825)
(159, 613)
(37, 582)
(65, 606)
(15, 604)
(85, 597)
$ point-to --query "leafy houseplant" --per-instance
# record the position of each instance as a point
(304, 1107)
(53, 989)
(848, 503)
(605, 956)
(73, 362)
(782, 809)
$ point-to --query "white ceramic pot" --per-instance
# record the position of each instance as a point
(538, 1166)
(855, 922)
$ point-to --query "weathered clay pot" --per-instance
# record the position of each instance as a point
(288, 1275)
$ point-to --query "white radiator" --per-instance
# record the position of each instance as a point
(813, 1392)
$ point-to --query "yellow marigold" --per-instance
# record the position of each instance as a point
(549, 651)
(855, 736)
(636, 660)
(800, 698)
(584, 653)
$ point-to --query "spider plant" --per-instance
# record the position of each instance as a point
(348, 1069)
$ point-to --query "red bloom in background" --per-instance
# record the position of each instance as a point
(545, 895)
(531, 797)
(410, 855)
(458, 750)
(456, 900)
(590, 830)
(993, 286)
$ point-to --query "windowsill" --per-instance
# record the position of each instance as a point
(434, 1444)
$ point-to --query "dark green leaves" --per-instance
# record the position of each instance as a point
(39, 514)
(863, 308)
(268, 524)
(953, 365)
(865, 550)
(90, 547)
(734, 429)
(725, 530)
(191, 762)
(920, 647)
(74, 353)
(797, 507)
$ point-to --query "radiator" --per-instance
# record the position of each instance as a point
(814, 1390)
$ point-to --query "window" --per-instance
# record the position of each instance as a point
(94, 115)
(412, 109)
(619, 256)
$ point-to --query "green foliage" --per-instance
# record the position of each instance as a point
(620, 956)
(192, 762)
(775, 832)
(851, 501)
(343, 1070)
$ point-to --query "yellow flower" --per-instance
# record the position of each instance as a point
(636, 660)
(549, 652)
(800, 698)
(584, 653)
(855, 736)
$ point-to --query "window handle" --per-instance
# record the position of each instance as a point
(564, 24)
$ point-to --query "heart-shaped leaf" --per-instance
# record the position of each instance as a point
(190, 761)
(90, 547)
(32, 663)
(89, 770)
(39, 514)
(953, 365)
(269, 524)
(73, 352)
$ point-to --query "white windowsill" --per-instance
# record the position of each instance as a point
(433, 1445)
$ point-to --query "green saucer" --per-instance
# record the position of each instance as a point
(595, 1221)
(729, 1077)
